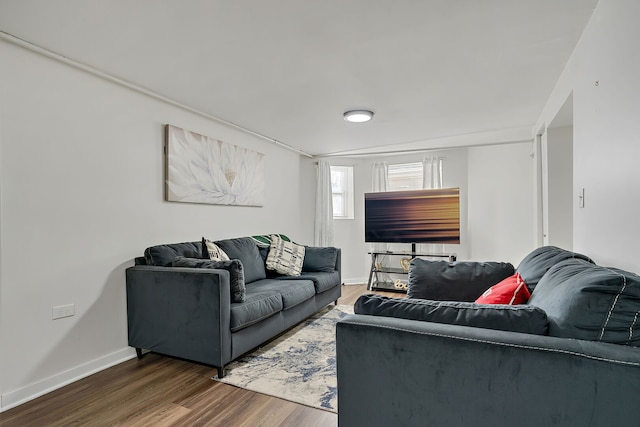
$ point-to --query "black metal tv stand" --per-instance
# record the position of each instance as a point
(375, 284)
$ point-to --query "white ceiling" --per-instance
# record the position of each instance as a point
(436, 72)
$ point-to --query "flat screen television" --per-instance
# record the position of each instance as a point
(413, 216)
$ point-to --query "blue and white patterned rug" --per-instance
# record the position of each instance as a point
(299, 366)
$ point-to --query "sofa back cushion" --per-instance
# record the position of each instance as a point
(320, 259)
(164, 255)
(514, 318)
(454, 281)
(539, 261)
(246, 250)
(586, 301)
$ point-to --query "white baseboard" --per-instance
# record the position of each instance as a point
(32, 391)
(356, 281)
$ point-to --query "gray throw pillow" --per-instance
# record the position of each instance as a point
(164, 255)
(234, 267)
(590, 302)
(454, 281)
(320, 259)
(514, 318)
(246, 250)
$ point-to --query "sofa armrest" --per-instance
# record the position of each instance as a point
(412, 373)
(181, 312)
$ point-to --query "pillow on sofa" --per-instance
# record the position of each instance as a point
(514, 318)
(234, 267)
(511, 291)
(163, 255)
(454, 281)
(264, 240)
(540, 260)
(212, 251)
(245, 249)
(590, 302)
(319, 259)
(285, 257)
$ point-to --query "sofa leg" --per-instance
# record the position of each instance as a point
(220, 372)
(139, 353)
(335, 302)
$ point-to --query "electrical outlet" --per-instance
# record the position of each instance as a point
(63, 311)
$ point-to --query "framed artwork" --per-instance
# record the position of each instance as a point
(200, 169)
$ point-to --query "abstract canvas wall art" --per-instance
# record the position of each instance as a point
(200, 169)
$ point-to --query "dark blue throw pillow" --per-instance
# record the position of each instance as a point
(164, 255)
(234, 267)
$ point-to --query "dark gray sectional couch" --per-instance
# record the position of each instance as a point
(181, 304)
(569, 357)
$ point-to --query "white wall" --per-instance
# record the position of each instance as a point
(603, 75)
(82, 195)
(501, 202)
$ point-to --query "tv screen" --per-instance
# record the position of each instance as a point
(414, 216)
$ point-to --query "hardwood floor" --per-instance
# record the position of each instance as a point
(163, 391)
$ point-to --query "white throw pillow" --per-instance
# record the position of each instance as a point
(215, 252)
(285, 257)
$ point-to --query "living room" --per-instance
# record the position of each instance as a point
(81, 190)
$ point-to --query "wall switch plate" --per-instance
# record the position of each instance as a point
(61, 311)
(581, 198)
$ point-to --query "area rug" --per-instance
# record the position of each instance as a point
(299, 366)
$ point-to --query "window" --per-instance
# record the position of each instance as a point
(405, 176)
(342, 191)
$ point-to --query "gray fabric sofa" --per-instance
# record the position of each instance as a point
(181, 304)
(569, 357)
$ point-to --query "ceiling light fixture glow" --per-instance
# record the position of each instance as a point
(358, 116)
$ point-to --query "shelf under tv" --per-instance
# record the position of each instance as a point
(377, 284)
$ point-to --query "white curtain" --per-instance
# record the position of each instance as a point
(432, 172)
(379, 183)
(432, 179)
(323, 230)
(380, 177)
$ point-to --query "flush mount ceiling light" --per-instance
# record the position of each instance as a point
(358, 116)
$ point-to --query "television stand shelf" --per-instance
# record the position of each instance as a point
(375, 284)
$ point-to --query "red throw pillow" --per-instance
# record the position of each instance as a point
(511, 290)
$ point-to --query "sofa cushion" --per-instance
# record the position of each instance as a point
(512, 291)
(320, 259)
(454, 281)
(285, 257)
(514, 318)
(164, 255)
(212, 251)
(245, 249)
(540, 260)
(293, 292)
(258, 305)
(234, 267)
(322, 281)
(590, 302)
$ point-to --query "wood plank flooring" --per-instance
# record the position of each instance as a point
(163, 391)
